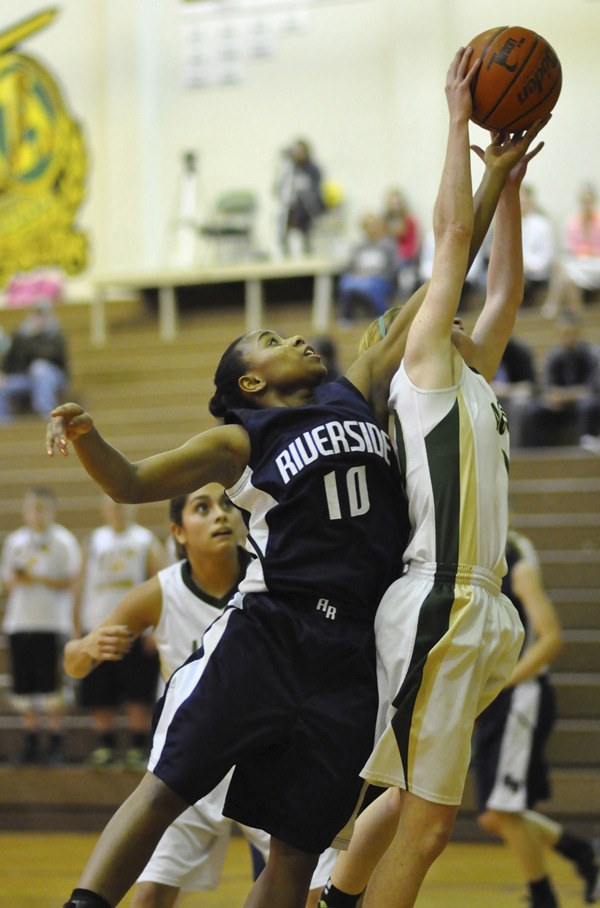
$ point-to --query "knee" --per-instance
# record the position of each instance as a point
(436, 836)
(154, 895)
(496, 822)
(489, 822)
(161, 801)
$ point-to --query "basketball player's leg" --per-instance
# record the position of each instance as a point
(129, 839)
(423, 832)
(154, 895)
(522, 840)
(374, 830)
(285, 881)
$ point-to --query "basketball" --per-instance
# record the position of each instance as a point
(519, 79)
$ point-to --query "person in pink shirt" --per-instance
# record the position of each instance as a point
(578, 270)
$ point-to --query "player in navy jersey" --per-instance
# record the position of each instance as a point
(283, 686)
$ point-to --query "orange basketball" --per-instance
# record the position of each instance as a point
(519, 79)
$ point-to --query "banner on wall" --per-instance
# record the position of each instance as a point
(43, 163)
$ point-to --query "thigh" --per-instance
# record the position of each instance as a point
(454, 658)
(304, 787)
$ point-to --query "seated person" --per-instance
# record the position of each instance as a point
(370, 277)
(570, 391)
(402, 226)
(539, 246)
(577, 273)
(35, 365)
(475, 279)
(514, 385)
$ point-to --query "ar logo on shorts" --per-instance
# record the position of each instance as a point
(513, 784)
(330, 610)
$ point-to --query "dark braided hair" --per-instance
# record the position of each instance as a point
(228, 393)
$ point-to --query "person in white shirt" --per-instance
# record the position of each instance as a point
(118, 556)
(539, 245)
(39, 565)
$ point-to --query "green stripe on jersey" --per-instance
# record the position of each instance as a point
(443, 456)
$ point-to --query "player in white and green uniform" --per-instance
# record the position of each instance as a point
(446, 637)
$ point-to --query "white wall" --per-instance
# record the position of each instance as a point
(364, 83)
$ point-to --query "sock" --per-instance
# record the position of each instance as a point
(85, 898)
(139, 740)
(332, 897)
(542, 894)
(576, 849)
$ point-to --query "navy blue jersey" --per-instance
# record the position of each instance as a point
(322, 501)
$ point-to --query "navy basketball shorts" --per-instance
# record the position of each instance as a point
(510, 767)
(133, 679)
(288, 696)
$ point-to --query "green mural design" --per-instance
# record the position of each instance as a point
(43, 164)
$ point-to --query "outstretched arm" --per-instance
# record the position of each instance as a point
(428, 354)
(217, 455)
(112, 639)
(505, 272)
(373, 370)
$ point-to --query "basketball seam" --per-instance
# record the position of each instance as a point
(502, 28)
(514, 79)
(531, 109)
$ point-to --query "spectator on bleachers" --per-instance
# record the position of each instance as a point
(577, 272)
(475, 279)
(539, 245)
(369, 280)
(39, 565)
(403, 227)
(118, 556)
(514, 385)
(35, 367)
(570, 390)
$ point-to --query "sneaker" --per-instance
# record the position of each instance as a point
(103, 758)
(136, 759)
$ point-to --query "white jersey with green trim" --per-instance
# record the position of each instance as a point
(453, 450)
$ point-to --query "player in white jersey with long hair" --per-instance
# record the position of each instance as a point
(447, 639)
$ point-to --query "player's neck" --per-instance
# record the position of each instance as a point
(216, 575)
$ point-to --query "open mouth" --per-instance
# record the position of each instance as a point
(218, 533)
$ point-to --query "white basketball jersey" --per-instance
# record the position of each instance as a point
(186, 613)
(453, 450)
(116, 563)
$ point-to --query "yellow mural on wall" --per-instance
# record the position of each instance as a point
(43, 163)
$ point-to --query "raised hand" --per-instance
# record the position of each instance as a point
(458, 83)
(67, 422)
(510, 153)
